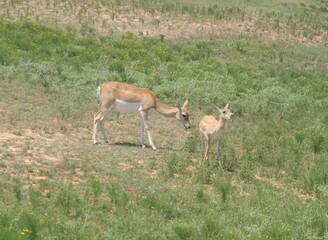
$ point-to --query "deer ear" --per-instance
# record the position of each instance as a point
(226, 107)
(179, 108)
(185, 104)
(216, 108)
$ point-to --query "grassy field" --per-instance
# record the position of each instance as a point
(272, 181)
(270, 21)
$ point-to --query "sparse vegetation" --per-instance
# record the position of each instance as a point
(272, 180)
(305, 22)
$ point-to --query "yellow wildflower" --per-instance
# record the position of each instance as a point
(25, 231)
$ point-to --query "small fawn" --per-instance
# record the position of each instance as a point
(211, 127)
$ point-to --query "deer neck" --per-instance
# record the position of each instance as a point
(221, 123)
(166, 110)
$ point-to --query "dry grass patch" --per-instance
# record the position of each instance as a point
(98, 19)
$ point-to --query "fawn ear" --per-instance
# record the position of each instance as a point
(216, 108)
(185, 104)
(226, 107)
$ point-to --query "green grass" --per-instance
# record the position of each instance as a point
(54, 184)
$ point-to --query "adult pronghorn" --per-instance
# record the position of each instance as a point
(128, 98)
(210, 127)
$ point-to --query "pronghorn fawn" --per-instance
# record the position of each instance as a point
(128, 98)
(211, 127)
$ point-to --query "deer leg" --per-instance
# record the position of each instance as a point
(202, 141)
(95, 126)
(142, 129)
(99, 118)
(207, 146)
(218, 146)
(103, 132)
(144, 117)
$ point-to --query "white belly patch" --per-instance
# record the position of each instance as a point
(123, 106)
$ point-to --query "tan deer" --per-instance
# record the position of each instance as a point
(129, 98)
(211, 127)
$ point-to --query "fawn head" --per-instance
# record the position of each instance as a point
(225, 112)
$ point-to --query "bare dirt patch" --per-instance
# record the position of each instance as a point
(32, 156)
(284, 188)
